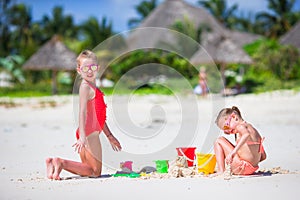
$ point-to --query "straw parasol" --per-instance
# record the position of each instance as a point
(53, 55)
(221, 51)
(165, 15)
(173, 10)
(292, 37)
(241, 38)
(170, 11)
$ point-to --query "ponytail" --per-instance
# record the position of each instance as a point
(236, 110)
(228, 111)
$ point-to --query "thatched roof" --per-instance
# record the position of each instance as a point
(166, 14)
(170, 11)
(220, 51)
(292, 37)
(52, 55)
(173, 10)
(242, 38)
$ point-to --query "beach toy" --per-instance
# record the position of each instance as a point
(188, 153)
(130, 175)
(120, 175)
(147, 170)
(206, 163)
(134, 175)
(126, 166)
(162, 166)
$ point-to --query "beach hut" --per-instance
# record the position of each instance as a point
(292, 37)
(54, 56)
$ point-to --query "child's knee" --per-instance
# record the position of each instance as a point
(219, 140)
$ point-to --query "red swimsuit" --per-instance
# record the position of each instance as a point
(96, 113)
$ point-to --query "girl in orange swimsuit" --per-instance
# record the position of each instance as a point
(248, 151)
(92, 116)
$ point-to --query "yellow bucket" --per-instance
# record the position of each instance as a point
(206, 163)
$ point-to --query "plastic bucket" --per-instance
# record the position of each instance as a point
(126, 165)
(162, 166)
(188, 153)
(206, 163)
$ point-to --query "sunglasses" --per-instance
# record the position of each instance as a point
(226, 127)
(92, 67)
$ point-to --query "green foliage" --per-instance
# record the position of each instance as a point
(94, 32)
(140, 57)
(12, 64)
(59, 24)
(219, 9)
(29, 89)
(274, 65)
(280, 20)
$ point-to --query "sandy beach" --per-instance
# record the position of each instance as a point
(36, 128)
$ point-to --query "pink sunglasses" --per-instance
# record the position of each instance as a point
(92, 67)
(226, 127)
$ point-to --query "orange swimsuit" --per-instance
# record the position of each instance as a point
(95, 113)
(246, 168)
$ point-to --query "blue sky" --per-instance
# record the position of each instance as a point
(120, 11)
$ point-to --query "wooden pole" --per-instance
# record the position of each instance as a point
(54, 82)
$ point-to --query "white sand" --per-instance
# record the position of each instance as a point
(30, 133)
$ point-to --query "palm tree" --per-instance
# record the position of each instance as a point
(25, 37)
(94, 32)
(248, 23)
(187, 27)
(280, 20)
(219, 9)
(143, 9)
(59, 24)
(5, 31)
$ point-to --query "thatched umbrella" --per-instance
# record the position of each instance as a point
(241, 38)
(165, 15)
(53, 55)
(292, 37)
(220, 51)
(223, 45)
(170, 11)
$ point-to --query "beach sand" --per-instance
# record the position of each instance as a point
(36, 128)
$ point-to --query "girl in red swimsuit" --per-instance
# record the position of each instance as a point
(248, 151)
(92, 116)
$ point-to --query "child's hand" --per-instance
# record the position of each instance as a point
(229, 157)
(79, 145)
(116, 146)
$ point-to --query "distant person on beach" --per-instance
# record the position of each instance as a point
(92, 117)
(201, 88)
(248, 151)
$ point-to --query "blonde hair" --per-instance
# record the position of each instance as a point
(228, 111)
(86, 54)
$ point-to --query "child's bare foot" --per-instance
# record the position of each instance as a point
(57, 168)
(50, 168)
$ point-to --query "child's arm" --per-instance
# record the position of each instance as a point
(83, 99)
(242, 129)
(113, 141)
